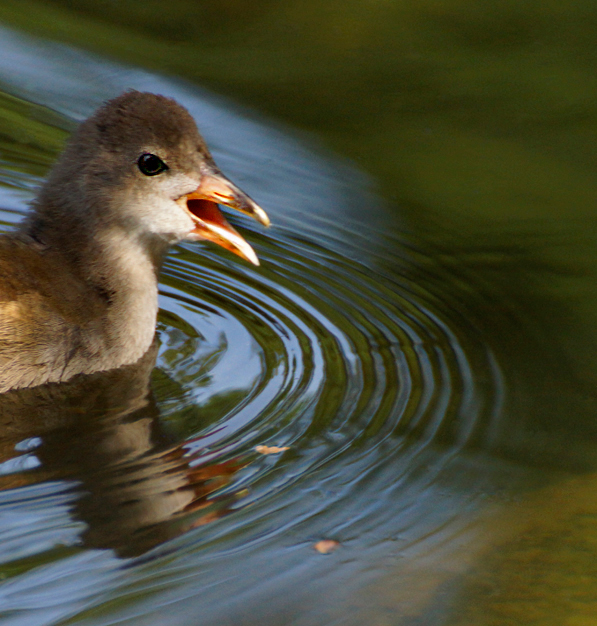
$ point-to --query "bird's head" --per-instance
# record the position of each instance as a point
(140, 164)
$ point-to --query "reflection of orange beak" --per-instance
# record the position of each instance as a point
(210, 224)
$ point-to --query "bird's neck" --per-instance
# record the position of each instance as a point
(126, 269)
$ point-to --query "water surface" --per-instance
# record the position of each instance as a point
(431, 379)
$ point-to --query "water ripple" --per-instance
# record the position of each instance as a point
(346, 346)
(337, 360)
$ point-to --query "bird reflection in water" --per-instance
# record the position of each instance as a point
(137, 488)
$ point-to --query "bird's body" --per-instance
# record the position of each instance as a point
(78, 279)
(55, 321)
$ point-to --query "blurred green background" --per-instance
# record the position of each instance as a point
(458, 108)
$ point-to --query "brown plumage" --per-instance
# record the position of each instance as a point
(78, 279)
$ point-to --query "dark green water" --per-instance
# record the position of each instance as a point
(420, 334)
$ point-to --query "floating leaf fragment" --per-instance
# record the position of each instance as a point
(325, 546)
(270, 449)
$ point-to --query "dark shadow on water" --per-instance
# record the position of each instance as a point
(529, 296)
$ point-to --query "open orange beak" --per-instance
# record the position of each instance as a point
(210, 224)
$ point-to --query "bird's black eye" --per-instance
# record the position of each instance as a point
(150, 164)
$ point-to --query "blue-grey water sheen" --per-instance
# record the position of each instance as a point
(359, 350)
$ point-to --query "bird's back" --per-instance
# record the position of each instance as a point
(44, 308)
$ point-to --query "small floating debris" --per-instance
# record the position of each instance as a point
(325, 546)
(270, 449)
